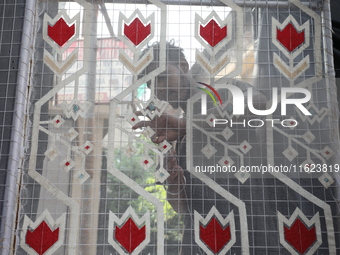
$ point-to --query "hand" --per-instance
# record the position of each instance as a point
(176, 172)
(167, 127)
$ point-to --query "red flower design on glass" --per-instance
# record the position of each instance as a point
(60, 32)
(214, 235)
(136, 31)
(42, 238)
(129, 235)
(299, 236)
(213, 33)
(290, 38)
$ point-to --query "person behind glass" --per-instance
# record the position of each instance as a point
(176, 85)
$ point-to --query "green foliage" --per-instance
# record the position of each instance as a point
(120, 197)
(159, 192)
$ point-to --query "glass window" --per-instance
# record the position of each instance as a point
(181, 127)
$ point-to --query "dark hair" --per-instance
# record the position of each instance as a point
(174, 54)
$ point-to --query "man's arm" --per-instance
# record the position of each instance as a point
(176, 182)
(170, 128)
(167, 127)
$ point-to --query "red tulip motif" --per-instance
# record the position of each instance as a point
(137, 31)
(300, 236)
(42, 238)
(214, 235)
(290, 38)
(61, 32)
(130, 236)
(213, 33)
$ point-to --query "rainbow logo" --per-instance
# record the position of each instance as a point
(211, 94)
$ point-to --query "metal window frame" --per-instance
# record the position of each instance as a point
(18, 135)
